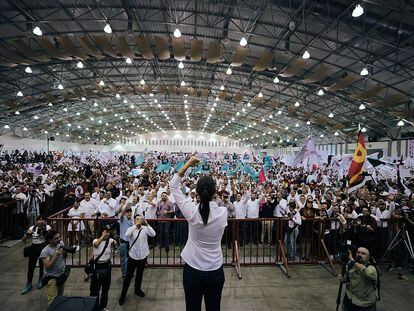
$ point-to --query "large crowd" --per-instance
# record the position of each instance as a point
(119, 186)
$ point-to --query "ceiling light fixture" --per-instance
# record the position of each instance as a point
(79, 65)
(37, 31)
(60, 87)
(83, 98)
(358, 11)
(17, 112)
(308, 122)
(336, 133)
(228, 71)
(182, 83)
(243, 41)
(177, 33)
(306, 55)
(181, 65)
(101, 83)
(108, 28)
(364, 129)
(364, 71)
(142, 82)
(19, 93)
(321, 92)
(400, 123)
(331, 115)
(222, 87)
(128, 60)
(25, 129)
(297, 104)
(276, 80)
(28, 69)
(361, 107)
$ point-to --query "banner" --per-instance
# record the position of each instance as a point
(355, 177)
(307, 155)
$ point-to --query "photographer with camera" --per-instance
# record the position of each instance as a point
(33, 202)
(101, 276)
(56, 271)
(361, 280)
(138, 251)
(37, 234)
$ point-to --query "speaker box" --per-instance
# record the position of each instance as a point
(65, 303)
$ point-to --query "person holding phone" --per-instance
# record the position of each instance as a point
(137, 255)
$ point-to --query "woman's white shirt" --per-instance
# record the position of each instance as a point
(203, 248)
(98, 250)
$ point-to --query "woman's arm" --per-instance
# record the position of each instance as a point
(184, 203)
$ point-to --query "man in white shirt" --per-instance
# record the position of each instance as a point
(252, 206)
(137, 255)
(240, 210)
(281, 207)
(107, 206)
(49, 189)
(88, 207)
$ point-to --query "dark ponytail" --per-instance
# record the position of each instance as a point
(206, 188)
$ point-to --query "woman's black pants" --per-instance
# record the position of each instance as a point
(101, 280)
(203, 283)
(35, 250)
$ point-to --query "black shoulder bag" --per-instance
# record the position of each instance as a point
(90, 266)
(129, 248)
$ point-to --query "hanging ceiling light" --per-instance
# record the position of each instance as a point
(322, 136)
(361, 107)
(279, 112)
(177, 33)
(128, 60)
(243, 41)
(181, 65)
(36, 117)
(118, 96)
(19, 93)
(331, 115)
(28, 70)
(321, 92)
(37, 31)
(6, 126)
(60, 86)
(358, 11)
(260, 95)
(83, 98)
(101, 83)
(79, 65)
(222, 88)
(308, 122)
(108, 28)
(400, 123)
(17, 112)
(306, 55)
(364, 71)
(297, 104)
(228, 71)
(336, 133)
(25, 129)
(276, 80)
(182, 83)
(363, 130)
(142, 82)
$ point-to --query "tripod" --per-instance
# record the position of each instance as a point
(401, 236)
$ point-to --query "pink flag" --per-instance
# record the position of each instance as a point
(262, 177)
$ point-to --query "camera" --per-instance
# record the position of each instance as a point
(343, 252)
(68, 249)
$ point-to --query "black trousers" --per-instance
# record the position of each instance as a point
(133, 265)
(348, 306)
(101, 280)
(202, 283)
(35, 251)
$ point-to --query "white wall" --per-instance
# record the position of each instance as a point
(171, 141)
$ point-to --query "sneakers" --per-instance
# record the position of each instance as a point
(139, 293)
(39, 284)
(27, 289)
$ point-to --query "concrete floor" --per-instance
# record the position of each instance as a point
(310, 287)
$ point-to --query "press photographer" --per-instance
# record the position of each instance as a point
(56, 272)
(362, 281)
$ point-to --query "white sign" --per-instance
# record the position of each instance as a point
(406, 171)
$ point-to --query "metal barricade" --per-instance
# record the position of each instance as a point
(259, 241)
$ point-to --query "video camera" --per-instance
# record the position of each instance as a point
(68, 249)
(343, 252)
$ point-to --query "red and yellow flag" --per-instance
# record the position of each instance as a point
(356, 180)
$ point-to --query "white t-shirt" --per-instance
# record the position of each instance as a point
(98, 250)
(38, 238)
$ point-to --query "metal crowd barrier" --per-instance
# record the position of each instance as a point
(261, 241)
